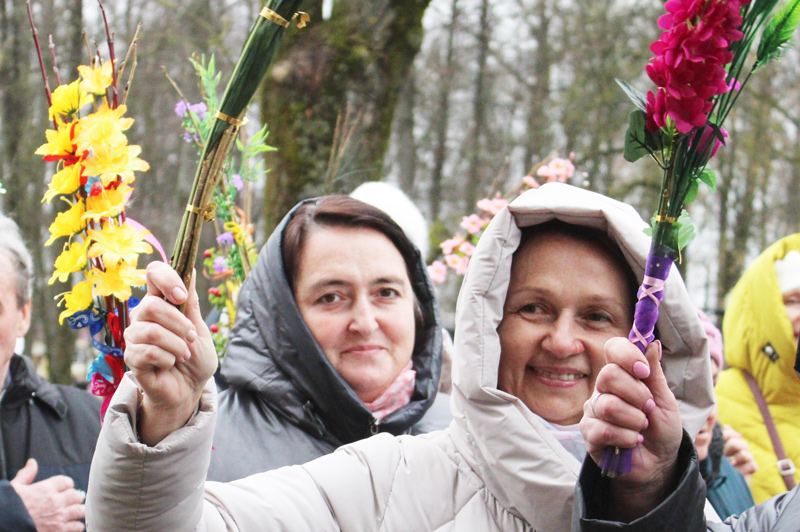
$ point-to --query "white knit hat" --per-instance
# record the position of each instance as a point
(787, 271)
(399, 207)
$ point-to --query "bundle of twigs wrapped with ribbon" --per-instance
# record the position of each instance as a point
(259, 50)
(698, 68)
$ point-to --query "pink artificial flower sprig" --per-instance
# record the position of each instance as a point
(697, 70)
(457, 250)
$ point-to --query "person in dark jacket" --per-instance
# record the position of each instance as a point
(295, 386)
(47, 432)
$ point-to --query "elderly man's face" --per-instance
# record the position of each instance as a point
(14, 321)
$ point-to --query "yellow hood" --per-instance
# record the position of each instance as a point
(756, 330)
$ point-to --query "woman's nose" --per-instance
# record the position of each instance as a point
(363, 319)
(562, 340)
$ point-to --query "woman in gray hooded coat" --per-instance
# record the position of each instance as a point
(284, 401)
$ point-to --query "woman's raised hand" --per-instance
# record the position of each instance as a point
(633, 406)
(171, 355)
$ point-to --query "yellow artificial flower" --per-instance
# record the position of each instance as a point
(65, 181)
(96, 80)
(110, 162)
(116, 280)
(59, 141)
(118, 243)
(108, 204)
(72, 259)
(67, 223)
(67, 99)
(105, 126)
(80, 298)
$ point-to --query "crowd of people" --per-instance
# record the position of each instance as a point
(326, 414)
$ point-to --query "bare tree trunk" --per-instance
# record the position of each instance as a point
(360, 56)
(442, 117)
(406, 144)
(537, 120)
(474, 174)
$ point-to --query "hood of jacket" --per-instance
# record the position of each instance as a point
(523, 465)
(273, 354)
(756, 329)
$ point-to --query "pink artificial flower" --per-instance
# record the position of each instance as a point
(437, 271)
(530, 182)
(494, 205)
(452, 261)
(467, 249)
(708, 133)
(557, 170)
(449, 245)
(689, 63)
(461, 267)
(472, 224)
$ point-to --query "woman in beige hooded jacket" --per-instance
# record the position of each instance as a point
(498, 467)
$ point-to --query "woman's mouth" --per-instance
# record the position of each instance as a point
(566, 376)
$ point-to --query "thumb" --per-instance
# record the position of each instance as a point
(26, 475)
(192, 308)
(657, 381)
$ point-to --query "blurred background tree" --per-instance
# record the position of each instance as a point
(449, 99)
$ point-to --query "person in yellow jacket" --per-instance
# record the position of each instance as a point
(760, 330)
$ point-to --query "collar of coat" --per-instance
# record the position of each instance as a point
(27, 385)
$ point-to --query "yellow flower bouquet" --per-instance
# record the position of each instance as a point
(95, 169)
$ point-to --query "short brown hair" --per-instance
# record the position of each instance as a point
(343, 211)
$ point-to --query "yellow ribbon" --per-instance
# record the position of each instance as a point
(229, 119)
(304, 19)
(272, 16)
(207, 212)
(668, 219)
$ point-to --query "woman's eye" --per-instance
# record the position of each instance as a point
(531, 308)
(329, 298)
(388, 292)
(598, 317)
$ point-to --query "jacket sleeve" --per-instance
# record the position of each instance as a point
(136, 488)
(681, 510)
(778, 514)
(15, 517)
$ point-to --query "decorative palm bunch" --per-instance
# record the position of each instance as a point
(256, 57)
(95, 169)
(229, 262)
(698, 69)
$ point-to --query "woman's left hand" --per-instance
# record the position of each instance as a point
(633, 408)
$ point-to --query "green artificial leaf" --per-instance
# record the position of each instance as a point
(691, 194)
(649, 229)
(636, 96)
(778, 33)
(635, 137)
(708, 177)
(686, 232)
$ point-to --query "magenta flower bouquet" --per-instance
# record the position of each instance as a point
(698, 69)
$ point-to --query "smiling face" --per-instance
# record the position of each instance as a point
(353, 291)
(567, 296)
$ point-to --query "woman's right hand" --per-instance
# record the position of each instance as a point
(171, 355)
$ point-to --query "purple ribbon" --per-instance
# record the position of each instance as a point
(615, 461)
